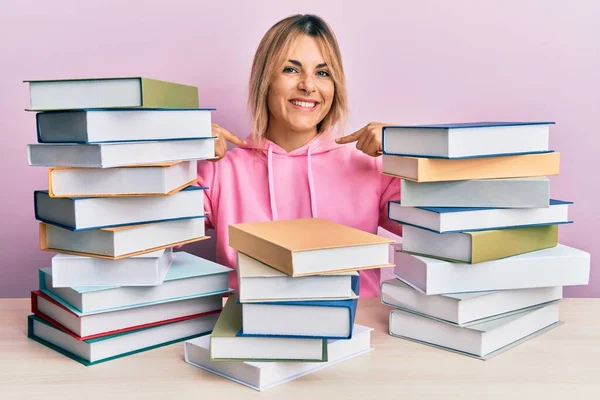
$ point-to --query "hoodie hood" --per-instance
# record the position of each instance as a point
(322, 143)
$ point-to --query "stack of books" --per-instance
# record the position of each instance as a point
(481, 269)
(295, 309)
(122, 158)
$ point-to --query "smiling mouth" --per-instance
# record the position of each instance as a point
(306, 105)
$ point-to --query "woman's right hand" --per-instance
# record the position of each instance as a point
(223, 136)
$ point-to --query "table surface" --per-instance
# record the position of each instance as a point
(562, 363)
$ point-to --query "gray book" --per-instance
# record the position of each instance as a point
(533, 192)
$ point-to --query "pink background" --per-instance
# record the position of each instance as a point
(406, 62)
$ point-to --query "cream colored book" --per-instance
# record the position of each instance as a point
(310, 246)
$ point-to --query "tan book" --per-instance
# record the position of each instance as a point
(310, 246)
(419, 169)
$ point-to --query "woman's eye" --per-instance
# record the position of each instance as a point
(289, 70)
(323, 73)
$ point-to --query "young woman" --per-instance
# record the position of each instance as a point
(292, 166)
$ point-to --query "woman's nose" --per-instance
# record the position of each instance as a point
(306, 84)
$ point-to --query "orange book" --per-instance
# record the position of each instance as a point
(310, 246)
(419, 169)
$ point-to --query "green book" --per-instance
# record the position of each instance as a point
(226, 345)
(480, 246)
(106, 93)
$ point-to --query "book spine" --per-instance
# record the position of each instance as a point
(497, 244)
(161, 94)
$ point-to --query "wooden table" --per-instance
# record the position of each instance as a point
(563, 363)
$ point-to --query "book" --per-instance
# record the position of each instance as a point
(265, 375)
(461, 219)
(110, 92)
(531, 192)
(93, 325)
(76, 214)
(481, 341)
(462, 140)
(119, 154)
(106, 348)
(122, 242)
(464, 309)
(421, 169)
(115, 125)
(189, 276)
(557, 266)
(476, 247)
(258, 282)
(145, 180)
(148, 269)
(309, 246)
(225, 345)
(328, 319)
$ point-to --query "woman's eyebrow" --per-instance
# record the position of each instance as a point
(299, 64)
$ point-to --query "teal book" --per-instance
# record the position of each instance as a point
(189, 276)
(93, 351)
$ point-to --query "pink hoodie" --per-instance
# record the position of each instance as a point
(321, 179)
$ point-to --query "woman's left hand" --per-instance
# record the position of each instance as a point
(368, 139)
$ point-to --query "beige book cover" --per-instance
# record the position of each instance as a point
(275, 243)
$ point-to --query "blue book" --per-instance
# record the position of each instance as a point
(466, 140)
(85, 213)
(123, 125)
(326, 319)
(93, 351)
(189, 277)
(470, 219)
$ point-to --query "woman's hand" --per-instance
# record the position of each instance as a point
(368, 139)
(223, 136)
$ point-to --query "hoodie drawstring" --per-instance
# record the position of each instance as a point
(274, 215)
(311, 185)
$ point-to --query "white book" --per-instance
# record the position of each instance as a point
(481, 340)
(317, 319)
(110, 92)
(147, 180)
(532, 192)
(147, 269)
(89, 352)
(95, 324)
(265, 375)
(119, 154)
(260, 283)
(122, 242)
(106, 212)
(114, 125)
(466, 139)
(456, 219)
(464, 309)
(189, 276)
(558, 266)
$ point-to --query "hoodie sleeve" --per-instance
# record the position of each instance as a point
(390, 190)
(207, 177)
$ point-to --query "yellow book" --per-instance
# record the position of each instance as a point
(419, 169)
(480, 246)
(310, 246)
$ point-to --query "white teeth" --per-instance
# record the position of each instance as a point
(304, 104)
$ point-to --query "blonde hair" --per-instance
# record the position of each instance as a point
(269, 57)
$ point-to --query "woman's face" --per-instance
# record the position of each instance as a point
(301, 93)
